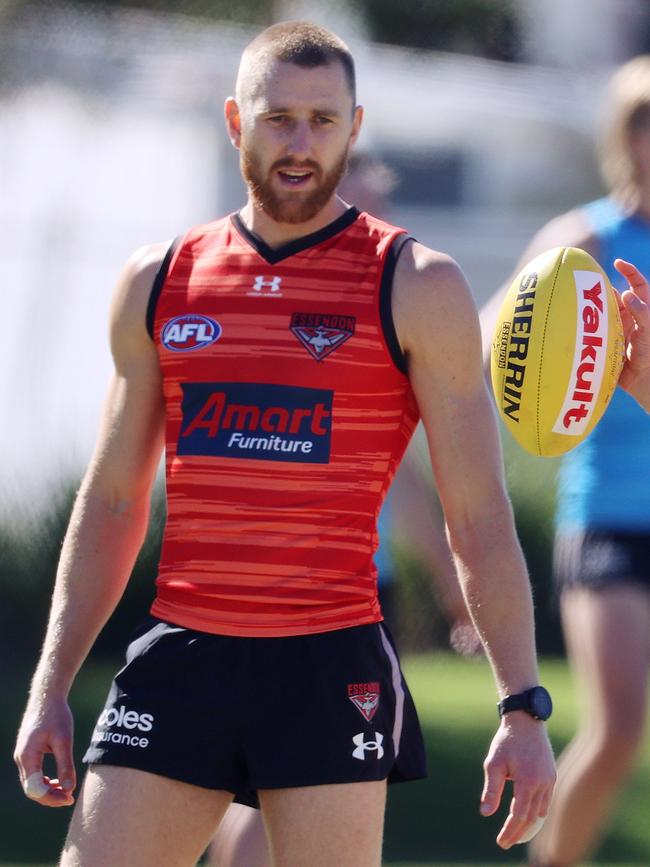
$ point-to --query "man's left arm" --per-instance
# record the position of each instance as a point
(437, 325)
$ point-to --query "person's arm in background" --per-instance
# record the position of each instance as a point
(438, 329)
(418, 518)
(106, 530)
(419, 524)
(567, 230)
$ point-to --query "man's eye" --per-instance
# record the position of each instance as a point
(277, 118)
(323, 121)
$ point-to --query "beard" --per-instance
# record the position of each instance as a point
(290, 207)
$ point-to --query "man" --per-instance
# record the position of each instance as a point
(408, 513)
(602, 521)
(290, 349)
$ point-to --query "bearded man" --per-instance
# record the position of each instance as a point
(282, 356)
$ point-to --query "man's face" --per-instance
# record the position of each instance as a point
(296, 128)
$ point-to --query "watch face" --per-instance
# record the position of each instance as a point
(540, 702)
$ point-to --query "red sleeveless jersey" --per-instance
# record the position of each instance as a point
(287, 412)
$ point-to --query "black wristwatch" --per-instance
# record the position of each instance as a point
(535, 701)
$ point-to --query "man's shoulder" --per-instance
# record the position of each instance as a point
(134, 286)
(422, 268)
(143, 265)
(430, 295)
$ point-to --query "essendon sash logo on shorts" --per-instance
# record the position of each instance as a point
(322, 333)
(256, 420)
(365, 697)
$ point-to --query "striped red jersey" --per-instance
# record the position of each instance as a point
(288, 410)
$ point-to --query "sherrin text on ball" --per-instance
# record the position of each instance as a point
(557, 351)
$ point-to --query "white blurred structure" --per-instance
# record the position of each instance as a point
(111, 137)
(583, 34)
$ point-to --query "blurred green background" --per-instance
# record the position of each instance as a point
(436, 820)
(432, 821)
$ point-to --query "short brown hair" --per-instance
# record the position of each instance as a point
(304, 44)
(628, 110)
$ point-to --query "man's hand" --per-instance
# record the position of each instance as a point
(46, 729)
(520, 751)
(634, 305)
(463, 637)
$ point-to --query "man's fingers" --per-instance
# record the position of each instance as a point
(495, 780)
(635, 278)
(39, 787)
(526, 818)
(30, 767)
(46, 729)
(534, 828)
(35, 786)
(64, 764)
(517, 821)
(545, 802)
(635, 306)
(53, 796)
(536, 817)
(47, 792)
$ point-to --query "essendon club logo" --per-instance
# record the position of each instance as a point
(322, 333)
(365, 697)
(256, 420)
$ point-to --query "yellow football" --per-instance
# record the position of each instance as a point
(557, 351)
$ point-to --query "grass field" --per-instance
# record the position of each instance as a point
(405, 864)
(456, 703)
(432, 822)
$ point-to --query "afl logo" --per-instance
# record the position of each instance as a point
(190, 332)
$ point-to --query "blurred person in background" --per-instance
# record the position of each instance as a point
(602, 540)
(263, 670)
(408, 515)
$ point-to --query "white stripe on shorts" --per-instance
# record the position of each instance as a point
(397, 687)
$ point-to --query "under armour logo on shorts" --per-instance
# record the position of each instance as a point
(362, 746)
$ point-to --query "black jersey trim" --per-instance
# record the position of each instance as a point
(277, 254)
(386, 305)
(157, 286)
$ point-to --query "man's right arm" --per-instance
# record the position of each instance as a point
(106, 530)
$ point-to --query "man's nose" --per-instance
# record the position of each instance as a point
(300, 139)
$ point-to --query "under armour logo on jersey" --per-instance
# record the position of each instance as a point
(362, 746)
(262, 286)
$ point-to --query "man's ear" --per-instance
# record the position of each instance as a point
(356, 123)
(233, 121)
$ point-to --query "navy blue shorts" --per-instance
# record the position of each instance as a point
(243, 714)
(601, 558)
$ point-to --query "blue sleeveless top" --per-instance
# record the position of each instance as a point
(604, 483)
(384, 560)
